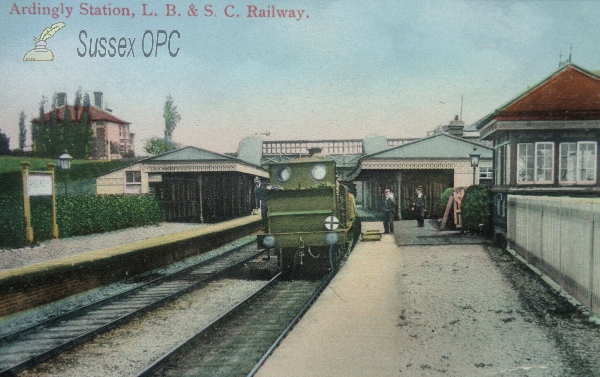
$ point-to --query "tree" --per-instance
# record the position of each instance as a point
(22, 131)
(39, 131)
(52, 136)
(156, 145)
(172, 118)
(4, 144)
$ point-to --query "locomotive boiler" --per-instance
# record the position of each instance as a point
(312, 222)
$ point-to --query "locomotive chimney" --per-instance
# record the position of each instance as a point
(313, 151)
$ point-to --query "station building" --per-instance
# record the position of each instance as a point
(198, 185)
(545, 140)
(194, 185)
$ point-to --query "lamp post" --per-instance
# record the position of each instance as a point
(474, 162)
(64, 163)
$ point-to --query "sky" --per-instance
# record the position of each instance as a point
(338, 70)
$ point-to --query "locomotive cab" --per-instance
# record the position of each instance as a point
(311, 215)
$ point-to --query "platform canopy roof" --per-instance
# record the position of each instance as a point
(190, 154)
(439, 146)
(193, 159)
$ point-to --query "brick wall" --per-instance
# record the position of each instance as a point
(34, 286)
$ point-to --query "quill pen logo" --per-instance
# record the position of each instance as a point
(40, 52)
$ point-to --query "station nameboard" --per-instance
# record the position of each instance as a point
(39, 184)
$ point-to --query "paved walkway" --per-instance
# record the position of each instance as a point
(340, 335)
(66, 247)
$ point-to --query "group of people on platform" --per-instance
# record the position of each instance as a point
(388, 209)
(388, 205)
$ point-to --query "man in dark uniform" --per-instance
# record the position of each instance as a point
(261, 197)
(419, 207)
(388, 208)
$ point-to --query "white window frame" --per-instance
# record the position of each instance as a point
(568, 162)
(522, 164)
(589, 165)
(132, 186)
(542, 160)
(532, 160)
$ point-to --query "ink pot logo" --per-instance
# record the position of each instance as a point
(40, 52)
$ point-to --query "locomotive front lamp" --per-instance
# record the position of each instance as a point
(331, 238)
(474, 162)
(268, 242)
(283, 174)
(318, 172)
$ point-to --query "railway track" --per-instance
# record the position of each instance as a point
(30, 346)
(239, 341)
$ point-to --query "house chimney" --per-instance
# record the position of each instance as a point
(61, 99)
(98, 100)
(455, 128)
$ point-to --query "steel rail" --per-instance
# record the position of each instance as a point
(186, 275)
(180, 348)
(293, 323)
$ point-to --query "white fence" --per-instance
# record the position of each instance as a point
(561, 237)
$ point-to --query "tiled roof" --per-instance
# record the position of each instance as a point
(95, 115)
(569, 93)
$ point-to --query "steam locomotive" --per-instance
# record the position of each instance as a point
(312, 221)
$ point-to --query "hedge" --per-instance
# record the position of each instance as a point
(76, 215)
(446, 194)
(477, 209)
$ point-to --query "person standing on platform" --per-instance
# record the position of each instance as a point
(388, 210)
(419, 206)
(261, 197)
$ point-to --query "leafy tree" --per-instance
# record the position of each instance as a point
(39, 131)
(172, 118)
(72, 133)
(4, 143)
(22, 131)
(156, 145)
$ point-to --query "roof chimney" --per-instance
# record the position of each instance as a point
(61, 99)
(98, 100)
(455, 128)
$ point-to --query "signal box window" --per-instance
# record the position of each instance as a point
(578, 162)
(133, 182)
(535, 163)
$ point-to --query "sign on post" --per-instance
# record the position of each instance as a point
(39, 184)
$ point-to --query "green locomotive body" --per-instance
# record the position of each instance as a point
(312, 219)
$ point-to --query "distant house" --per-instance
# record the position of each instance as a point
(545, 140)
(111, 139)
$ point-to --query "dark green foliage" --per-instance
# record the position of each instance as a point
(156, 145)
(73, 134)
(22, 131)
(11, 220)
(446, 194)
(477, 209)
(4, 144)
(76, 215)
(11, 177)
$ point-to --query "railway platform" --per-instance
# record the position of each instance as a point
(34, 276)
(424, 308)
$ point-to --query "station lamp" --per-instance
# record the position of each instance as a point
(474, 162)
(64, 163)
